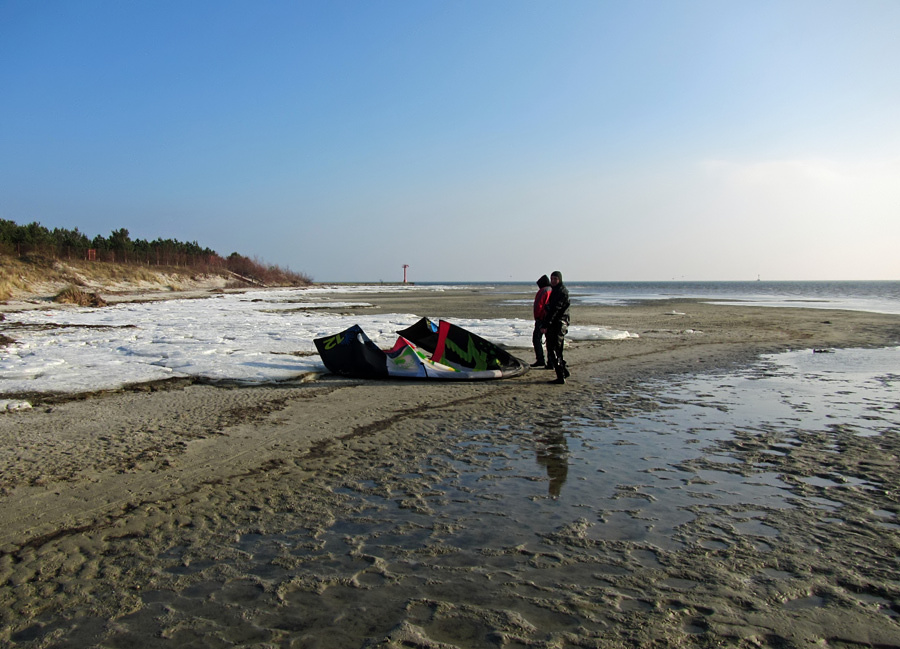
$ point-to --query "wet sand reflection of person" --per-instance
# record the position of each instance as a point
(553, 454)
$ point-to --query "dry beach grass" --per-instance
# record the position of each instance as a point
(198, 515)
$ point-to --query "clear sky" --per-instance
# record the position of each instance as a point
(473, 140)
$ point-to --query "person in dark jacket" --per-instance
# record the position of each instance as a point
(556, 325)
(541, 298)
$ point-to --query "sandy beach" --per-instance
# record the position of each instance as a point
(316, 513)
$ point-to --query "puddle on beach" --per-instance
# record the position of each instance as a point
(750, 505)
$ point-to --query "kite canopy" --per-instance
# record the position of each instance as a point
(423, 350)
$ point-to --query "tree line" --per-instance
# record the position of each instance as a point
(119, 247)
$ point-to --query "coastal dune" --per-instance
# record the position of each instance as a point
(339, 513)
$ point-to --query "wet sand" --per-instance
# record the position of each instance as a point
(317, 514)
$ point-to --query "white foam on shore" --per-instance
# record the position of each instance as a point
(254, 337)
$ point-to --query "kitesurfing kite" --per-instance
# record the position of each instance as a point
(423, 350)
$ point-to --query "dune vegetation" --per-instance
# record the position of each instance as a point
(36, 261)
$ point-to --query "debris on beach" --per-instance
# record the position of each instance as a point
(74, 295)
(11, 405)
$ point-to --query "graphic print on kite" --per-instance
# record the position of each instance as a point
(423, 350)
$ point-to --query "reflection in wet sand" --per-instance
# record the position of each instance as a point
(552, 454)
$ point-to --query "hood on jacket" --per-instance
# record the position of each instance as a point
(558, 274)
(543, 281)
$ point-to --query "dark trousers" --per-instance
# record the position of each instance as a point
(556, 338)
(537, 339)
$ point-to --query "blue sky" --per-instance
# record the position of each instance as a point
(472, 140)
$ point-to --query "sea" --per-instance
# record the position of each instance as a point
(871, 296)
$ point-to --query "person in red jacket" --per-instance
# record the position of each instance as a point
(556, 326)
(541, 298)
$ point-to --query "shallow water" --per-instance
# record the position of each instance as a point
(758, 506)
(877, 297)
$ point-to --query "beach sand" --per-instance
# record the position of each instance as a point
(316, 514)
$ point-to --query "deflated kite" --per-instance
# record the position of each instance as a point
(423, 350)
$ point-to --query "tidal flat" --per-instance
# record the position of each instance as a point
(713, 482)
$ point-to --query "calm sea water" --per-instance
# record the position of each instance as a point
(877, 297)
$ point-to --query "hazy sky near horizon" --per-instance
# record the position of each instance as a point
(644, 140)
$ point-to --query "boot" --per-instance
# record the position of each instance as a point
(560, 375)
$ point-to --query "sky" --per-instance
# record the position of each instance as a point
(471, 140)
